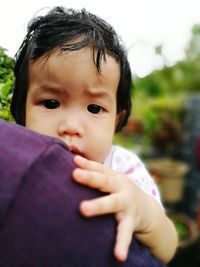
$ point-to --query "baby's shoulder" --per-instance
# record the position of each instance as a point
(124, 153)
(122, 157)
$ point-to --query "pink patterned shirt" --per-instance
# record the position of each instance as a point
(122, 160)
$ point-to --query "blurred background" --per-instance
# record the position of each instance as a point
(163, 43)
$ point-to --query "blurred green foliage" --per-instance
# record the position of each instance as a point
(6, 83)
(158, 100)
(184, 76)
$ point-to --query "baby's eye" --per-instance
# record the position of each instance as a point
(95, 109)
(50, 104)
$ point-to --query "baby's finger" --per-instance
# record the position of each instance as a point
(88, 164)
(103, 205)
(102, 182)
(124, 237)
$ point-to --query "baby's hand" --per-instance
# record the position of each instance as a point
(125, 199)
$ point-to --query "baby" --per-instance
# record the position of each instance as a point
(73, 82)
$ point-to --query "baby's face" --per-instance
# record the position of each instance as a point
(68, 99)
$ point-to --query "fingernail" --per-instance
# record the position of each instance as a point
(120, 254)
(78, 157)
(86, 208)
(79, 174)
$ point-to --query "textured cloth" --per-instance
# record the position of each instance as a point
(125, 161)
(40, 222)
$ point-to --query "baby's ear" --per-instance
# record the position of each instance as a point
(119, 119)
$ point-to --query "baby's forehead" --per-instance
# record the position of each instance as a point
(75, 71)
(95, 55)
(85, 55)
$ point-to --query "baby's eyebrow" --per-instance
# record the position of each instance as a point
(100, 94)
(93, 93)
(48, 89)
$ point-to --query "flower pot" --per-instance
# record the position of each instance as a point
(187, 229)
(170, 176)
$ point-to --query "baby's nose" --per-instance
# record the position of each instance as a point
(70, 127)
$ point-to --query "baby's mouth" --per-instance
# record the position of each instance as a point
(75, 151)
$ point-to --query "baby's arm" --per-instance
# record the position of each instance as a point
(135, 211)
(160, 235)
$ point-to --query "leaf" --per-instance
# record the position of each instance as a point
(5, 89)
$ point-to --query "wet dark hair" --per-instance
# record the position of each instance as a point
(58, 29)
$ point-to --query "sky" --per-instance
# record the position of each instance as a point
(141, 24)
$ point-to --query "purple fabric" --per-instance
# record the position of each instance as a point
(40, 223)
